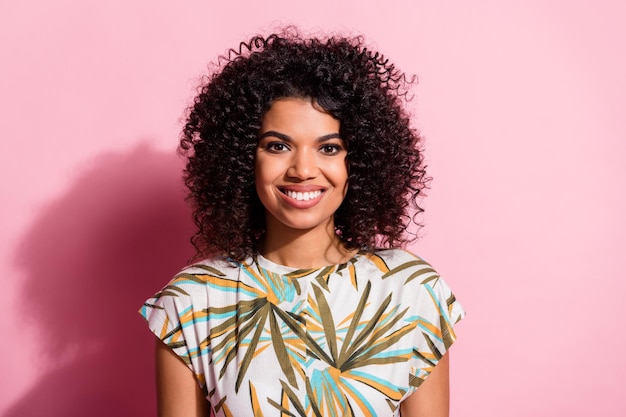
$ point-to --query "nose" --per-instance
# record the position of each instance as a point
(303, 165)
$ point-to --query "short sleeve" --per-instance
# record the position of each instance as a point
(437, 312)
(176, 320)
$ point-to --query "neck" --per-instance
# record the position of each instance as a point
(305, 248)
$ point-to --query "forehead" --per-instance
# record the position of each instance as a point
(299, 117)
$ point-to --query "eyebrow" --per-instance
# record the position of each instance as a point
(287, 138)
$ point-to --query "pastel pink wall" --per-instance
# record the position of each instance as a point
(522, 105)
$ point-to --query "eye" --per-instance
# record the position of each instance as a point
(277, 147)
(331, 149)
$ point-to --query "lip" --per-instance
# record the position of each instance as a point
(301, 204)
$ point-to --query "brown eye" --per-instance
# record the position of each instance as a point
(330, 149)
(277, 147)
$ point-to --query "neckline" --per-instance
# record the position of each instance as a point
(270, 266)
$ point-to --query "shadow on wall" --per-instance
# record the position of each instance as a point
(114, 239)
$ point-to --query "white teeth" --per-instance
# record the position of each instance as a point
(303, 196)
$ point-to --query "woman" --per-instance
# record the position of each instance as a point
(303, 171)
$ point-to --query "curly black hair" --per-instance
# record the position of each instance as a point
(357, 86)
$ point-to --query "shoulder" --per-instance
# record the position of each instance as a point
(400, 263)
(217, 266)
(194, 281)
(397, 255)
(420, 286)
(191, 290)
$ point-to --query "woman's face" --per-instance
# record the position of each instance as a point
(301, 172)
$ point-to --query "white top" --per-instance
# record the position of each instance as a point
(349, 339)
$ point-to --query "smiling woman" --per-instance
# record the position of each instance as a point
(301, 176)
(303, 171)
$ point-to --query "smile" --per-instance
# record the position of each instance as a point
(302, 196)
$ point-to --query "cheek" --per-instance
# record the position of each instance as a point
(258, 181)
(262, 174)
(339, 175)
(264, 178)
(260, 168)
(345, 181)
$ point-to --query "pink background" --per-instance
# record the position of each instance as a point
(520, 106)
